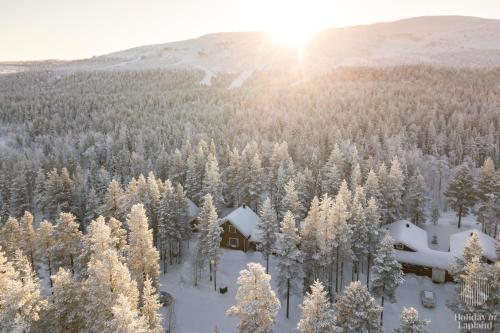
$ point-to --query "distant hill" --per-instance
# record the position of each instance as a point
(441, 40)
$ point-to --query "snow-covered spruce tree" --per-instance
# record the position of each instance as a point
(346, 194)
(67, 243)
(150, 306)
(44, 241)
(212, 181)
(256, 303)
(97, 240)
(333, 172)
(10, 237)
(387, 273)
(27, 301)
(411, 323)
(460, 193)
(317, 314)
(143, 257)
(279, 190)
(395, 192)
(357, 311)
(19, 194)
(213, 238)
(356, 177)
(372, 188)
(169, 231)
(290, 201)
(488, 193)
(208, 210)
(310, 243)
(126, 318)
(360, 236)
(416, 199)
(92, 207)
(289, 260)
(267, 230)
(472, 249)
(372, 218)
(338, 218)
(255, 177)
(232, 188)
(469, 289)
(65, 312)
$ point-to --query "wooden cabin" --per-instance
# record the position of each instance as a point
(413, 252)
(239, 229)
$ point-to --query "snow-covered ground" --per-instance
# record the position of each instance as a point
(200, 309)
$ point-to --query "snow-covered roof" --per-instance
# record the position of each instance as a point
(192, 210)
(415, 238)
(458, 241)
(245, 220)
(405, 232)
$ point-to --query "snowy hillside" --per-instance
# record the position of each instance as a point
(441, 40)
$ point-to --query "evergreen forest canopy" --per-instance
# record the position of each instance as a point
(99, 126)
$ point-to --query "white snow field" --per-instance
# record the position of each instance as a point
(438, 40)
(200, 309)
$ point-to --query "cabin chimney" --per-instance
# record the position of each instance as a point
(244, 206)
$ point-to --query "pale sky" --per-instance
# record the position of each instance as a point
(73, 29)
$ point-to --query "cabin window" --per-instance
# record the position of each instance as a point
(232, 229)
(234, 242)
(399, 246)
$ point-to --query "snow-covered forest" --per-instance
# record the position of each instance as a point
(96, 169)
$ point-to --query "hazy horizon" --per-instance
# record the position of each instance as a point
(66, 30)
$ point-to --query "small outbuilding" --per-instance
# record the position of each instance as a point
(239, 229)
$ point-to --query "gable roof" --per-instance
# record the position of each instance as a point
(405, 232)
(245, 220)
(414, 237)
(458, 241)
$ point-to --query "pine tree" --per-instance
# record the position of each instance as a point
(410, 322)
(255, 176)
(289, 266)
(232, 187)
(203, 226)
(28, 301)
(143, 257)
(290, 201)
(317, 314)
(10, 237)
(65, 312)
(460, 192)
(150, 306)
(257, 304)
(113, 200)
(267, 230)
(118, 236)
(387, 274)
(67, 243)
(488, 194)
(416, 199)
(28, 243)
(108, 279)
(169, 230)
(126, 318)
(356, 177)
(357, 311)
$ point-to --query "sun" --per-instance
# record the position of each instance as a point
(294, 22)
(291, 36)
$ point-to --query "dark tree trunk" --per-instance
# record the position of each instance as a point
(287, 298)
(459, 217)
(382, 313)
(267, 263)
